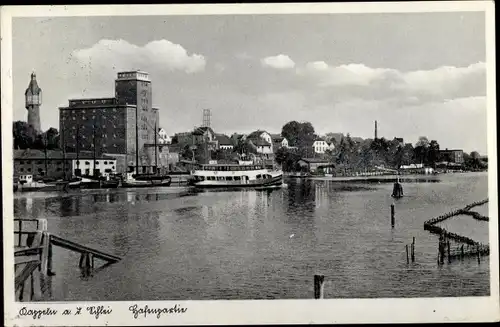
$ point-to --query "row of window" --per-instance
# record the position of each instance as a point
(73, 112)
(231, 168)
(40, 162)
(40, 170)
(231, 178)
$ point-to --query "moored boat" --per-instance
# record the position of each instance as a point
(133, 180)
(236, 176)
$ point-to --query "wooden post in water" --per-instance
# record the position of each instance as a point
(413, 250)
(449, 251)
(478, 255)
(49, 256)
(407, 257)
(462, 252)
(19, 237)
(319, 286)
(441, 249)
(392, 215)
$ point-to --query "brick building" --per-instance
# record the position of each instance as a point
(59, 165)
(123, 126)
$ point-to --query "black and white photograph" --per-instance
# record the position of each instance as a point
(223, 155)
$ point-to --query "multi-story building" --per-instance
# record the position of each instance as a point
(123, 126)
(454, 156)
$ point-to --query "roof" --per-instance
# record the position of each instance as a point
(277, 137)
(202, 130)
(256, 134)
(223, 139)
(55, 154)
(260, 142)
(319, 139)
(33, 87)
(316, 160)
(451, 150)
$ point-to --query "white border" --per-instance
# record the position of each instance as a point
(257, 312)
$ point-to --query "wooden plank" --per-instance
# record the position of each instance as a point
(29, 251)
(28, 269)
(73, 246)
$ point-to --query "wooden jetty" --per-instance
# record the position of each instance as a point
(445, 250)
(33, 254)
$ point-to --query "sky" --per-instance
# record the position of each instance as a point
(417, 74)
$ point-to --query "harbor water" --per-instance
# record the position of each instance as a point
(180, 244)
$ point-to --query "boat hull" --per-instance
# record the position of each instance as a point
(270, 182)
(134, 184)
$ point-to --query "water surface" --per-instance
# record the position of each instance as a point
(180, 244)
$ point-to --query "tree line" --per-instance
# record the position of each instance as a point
(26, 137)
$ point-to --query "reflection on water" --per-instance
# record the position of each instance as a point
(177, 243)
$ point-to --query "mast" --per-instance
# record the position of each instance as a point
(77, 146)
(63, 152)
(136, 141)
(156, 154)
(93, 141)
(44, 139)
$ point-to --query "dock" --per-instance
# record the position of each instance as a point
(33, 253)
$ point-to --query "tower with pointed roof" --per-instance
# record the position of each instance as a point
(33, 100)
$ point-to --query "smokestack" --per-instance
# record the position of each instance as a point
(376, 135)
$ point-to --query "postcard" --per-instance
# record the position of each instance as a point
(249, 164)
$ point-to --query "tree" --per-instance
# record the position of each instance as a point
(291, 131)
(24, 135)
(433, 153)
(287, 159)
(301, 135)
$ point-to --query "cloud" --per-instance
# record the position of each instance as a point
(122, 55)
(278, 62)
(446, 82)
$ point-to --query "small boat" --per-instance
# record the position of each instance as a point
(28, 184)
(146, 180)
(236, 176)
(299, 175)
(97, 182)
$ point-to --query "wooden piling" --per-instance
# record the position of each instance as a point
(462, 252)
(407, 257)
(49, 256)
(449, 251)
(19, 237)
(392, 215)
(478, 255)
(319, 286)
(413, 250)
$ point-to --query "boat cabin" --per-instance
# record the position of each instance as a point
(233, 167)
(25, 179)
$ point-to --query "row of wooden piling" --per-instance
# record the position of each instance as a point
(457, 212)
(474, 248)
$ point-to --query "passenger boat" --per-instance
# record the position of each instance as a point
(145, 180)
(236, 176)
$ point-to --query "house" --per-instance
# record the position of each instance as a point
(224, 142)
(279, 141)
(262, 141)
(205, 135)
(315, 165)
(320, 146)
(452, 156)
(163, 138)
